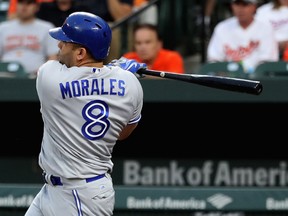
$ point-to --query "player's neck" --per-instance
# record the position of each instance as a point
(90, 64)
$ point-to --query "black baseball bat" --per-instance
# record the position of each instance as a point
(220, 82)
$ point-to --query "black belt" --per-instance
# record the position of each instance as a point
(56, 181)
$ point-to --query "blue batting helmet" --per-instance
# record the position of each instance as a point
(86, 29)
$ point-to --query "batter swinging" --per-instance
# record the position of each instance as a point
(86, 107)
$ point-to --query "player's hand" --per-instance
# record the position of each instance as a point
(129, 64)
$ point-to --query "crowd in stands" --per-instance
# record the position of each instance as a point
(258, 33)
(255, 31)
(242, 38)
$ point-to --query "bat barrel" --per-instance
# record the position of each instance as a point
(229, 83)
(220, 82)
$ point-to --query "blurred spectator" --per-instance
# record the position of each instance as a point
(208, 11)
(285, 54)
(110, 11)
(242, 38)
(149, 15)
(25, 38)
(214, 11)
(149, 49)
(212, 7)
(57, 11)
(276, 13)
(13, 7)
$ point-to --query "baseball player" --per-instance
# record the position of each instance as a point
(86, 107)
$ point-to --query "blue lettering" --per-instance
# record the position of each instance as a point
(85, 86)
(76, 88)
(103, 92)
(121, 85)
(65, 90)
(95, 87)
(112, 86)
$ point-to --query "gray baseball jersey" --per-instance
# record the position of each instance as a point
(84, 109)
(30, 44)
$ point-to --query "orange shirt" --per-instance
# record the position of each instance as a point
(12, 7)
(285, 54)
(138, 3)
(167, 60)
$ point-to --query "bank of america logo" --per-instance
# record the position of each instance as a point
(219, 200)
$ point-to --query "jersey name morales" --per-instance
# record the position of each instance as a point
(84, 87)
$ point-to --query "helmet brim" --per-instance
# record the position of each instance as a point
(58, 34)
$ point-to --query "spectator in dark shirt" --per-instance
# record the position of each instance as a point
(57, 11)
(11, 13)
(109, 10)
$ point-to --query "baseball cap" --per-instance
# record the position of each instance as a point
(246, 1)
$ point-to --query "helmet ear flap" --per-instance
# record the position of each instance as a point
(86, 29)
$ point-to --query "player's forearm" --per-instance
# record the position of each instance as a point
(118, 10)
(127, 131)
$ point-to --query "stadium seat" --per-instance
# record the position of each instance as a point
(228, 69)
(271, 69)
(12, 69)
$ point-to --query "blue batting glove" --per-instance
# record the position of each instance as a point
(128, 64)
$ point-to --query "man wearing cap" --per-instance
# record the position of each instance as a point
(242, 38)
(25, 39)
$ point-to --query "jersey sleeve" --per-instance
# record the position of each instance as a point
(138, 102)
